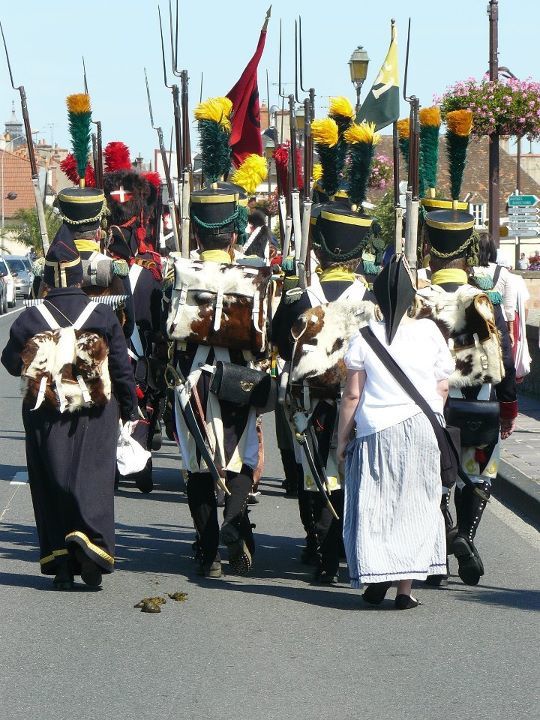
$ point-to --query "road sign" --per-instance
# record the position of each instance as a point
(522, 200)
(529, 211)
(525, 234)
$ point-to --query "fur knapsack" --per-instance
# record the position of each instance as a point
(66, 367)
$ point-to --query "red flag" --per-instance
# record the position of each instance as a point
(246, 119)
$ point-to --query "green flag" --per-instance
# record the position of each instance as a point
(382, 103)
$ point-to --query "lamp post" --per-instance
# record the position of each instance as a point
(358, 66)
(493, 171)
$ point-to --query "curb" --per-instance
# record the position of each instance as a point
(522, 493)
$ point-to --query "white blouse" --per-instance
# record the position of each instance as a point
(422, 353)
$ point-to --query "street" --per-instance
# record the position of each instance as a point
(270, 645)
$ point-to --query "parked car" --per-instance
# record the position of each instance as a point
(9, 282)
(22, 276)
(3, 296)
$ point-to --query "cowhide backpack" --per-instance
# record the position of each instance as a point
(220, 305)
(66, 367)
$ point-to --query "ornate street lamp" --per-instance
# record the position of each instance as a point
(358, 65)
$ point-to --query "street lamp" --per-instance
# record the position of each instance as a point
(358, 66)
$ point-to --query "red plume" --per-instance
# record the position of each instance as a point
(69, 167)
(117, 157)
(281, 156)
(154, 178)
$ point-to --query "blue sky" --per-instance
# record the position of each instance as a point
(47, 39)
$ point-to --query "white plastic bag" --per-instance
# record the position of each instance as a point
(131, 457)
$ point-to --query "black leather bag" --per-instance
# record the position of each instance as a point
(478, 420)
(244, 386)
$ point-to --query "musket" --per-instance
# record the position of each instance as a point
(398, 210)
(175, 95)
(185, 153)
(31, 154)
(97, 144)
(166, 169)
(412, 179)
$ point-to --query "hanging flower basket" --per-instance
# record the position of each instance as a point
(504, 106)
(381, 172)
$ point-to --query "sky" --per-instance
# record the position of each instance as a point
(47, 38)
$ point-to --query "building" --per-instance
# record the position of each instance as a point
(14, 131)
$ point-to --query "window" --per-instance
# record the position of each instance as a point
(478, 211)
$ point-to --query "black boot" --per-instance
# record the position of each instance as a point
(451, 532)
(469, 513)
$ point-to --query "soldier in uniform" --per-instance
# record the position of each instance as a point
(453, 251)
(339, 237)
(231, 429)
(71, 455)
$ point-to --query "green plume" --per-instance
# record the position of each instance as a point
(361, 156)
(456, 149)
(216, 152)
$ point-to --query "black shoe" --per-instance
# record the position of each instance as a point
(253, 498)
(310, 556)
(210, 569)
(90, 571)
(470, 566)
(406, 602)
(63, 580)
(240, 559)
(375, 593)
(325, 577)
(157, 439)
(436, 580)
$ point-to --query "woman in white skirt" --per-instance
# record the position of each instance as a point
(393, 527)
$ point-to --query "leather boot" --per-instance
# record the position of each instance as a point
(451, 532)
(469, 513)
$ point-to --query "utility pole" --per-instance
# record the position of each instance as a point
(493, 13)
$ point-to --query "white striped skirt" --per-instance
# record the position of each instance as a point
(393, 528)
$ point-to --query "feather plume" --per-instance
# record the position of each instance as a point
(217, 110)
(430, 122)
(403, 127)
(325, 132)
(153, 178)
(341, 107)
(281, 157)
(117, 157)
(80, 117)
(459, 122)
(251, 173)
(430, 116)
(69, 167)
(216, 153)
(317, 172)
(362, 133)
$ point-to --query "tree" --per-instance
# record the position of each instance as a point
(27, 227)
(385, 215)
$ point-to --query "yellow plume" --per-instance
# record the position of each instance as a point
(459, 122)
(325, 132)
(216, 109)
(362, 133)
(317, 172)
(78, 103)
(341, 106)
(251, 173)
(403, 128)
(430, 116)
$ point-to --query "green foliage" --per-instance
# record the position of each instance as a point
(27, 227)
(216, 153)
(385, 216)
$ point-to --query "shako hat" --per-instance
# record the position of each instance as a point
(81, 205)
(394, 291)
(449, 232)
(339, 232)
(63, 266)
(215, 210)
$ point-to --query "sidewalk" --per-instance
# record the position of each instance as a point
(518, 480)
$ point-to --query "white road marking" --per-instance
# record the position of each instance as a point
(523, 529)
(20, 478)
(11, 312)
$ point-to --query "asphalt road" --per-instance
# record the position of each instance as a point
(267, 646)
